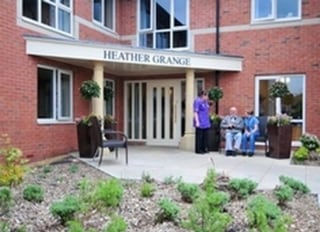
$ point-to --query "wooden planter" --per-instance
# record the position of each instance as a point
(87, 142)
(279, 141)
(214, 137)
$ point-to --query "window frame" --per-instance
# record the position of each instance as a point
(57, 6)
(57, 117)
(273, 17)
(154, 31)
(277, 78)
(102, 23)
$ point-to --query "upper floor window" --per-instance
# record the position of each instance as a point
(54, 95)
(163, 23)
(274, 10)
(104, 12)
(56, 14)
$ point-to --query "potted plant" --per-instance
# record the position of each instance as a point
(277, 91)
(309, 151)
(86, 144)
(214, 133)
(279, 135)
(89, 89)
(214, 94)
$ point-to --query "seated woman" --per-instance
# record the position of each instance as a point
(251, 131)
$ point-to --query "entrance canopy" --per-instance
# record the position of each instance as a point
(122, 60)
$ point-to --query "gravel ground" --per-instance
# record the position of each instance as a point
(139, 213)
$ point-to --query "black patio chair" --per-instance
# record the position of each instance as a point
(263, 137)
(117, 139)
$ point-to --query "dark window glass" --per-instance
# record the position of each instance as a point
(30, 9)
(45, 93)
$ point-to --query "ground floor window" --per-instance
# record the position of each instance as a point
(54, 95)
(293, 104)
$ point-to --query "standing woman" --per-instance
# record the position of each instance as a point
(201, 122)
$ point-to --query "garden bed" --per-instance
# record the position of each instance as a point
(62, 178)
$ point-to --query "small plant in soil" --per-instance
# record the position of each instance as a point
(168, 211)
(189, 192)
(264, 215)
(146, 177)
(47, 169)
(117, 224)
(210, 181)
(207, 214)
(109, 193)
(65, 209)
(4, 226)
(33, 193)
(296, 185)
(284, 194)
(242, 187)
(147, 190)
(6, 199)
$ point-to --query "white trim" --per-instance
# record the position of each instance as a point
(64, 49)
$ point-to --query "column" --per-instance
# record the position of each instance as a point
(97, 103)
(187, 141)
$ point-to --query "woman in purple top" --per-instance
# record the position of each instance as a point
(201, 122)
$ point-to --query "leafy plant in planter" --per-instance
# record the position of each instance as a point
(89, 89)
(215, 93)
(277, 91)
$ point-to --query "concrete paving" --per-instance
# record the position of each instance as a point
(163, 162)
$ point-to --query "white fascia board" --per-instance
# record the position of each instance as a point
(121, 54)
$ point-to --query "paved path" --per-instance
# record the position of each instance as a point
(162, 162)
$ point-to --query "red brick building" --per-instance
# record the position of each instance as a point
(155, 55)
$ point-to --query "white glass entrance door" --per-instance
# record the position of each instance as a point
(164, 112)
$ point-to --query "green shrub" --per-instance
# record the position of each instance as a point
(242, 187)
(117, 224)
(283, 193)
(301, 153)
(168, 211)
(146, 177)
(210, 181)
(6, 199)
(297, 186)
(310, 141)
(65, 209)
(13, 166)
(265, 216)
(206, 214)
(189, 192)
(147, 190)
(33, 193)
(86, 194)
(109, 193)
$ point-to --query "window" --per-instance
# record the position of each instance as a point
(104, 12)
(54, 95)
(109, 90)
(293, 104)
(274, 10)
(163, 24)
(55, 14)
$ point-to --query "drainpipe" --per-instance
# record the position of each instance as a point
(217, 72)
